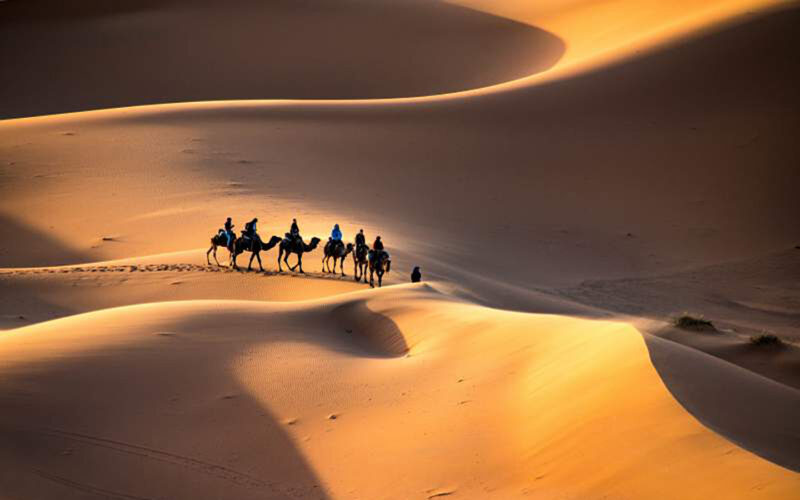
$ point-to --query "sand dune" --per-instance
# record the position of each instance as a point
(528, 403)
(597, 166)
(664, 148)
(162, 51)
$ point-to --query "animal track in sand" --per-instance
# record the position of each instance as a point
(200, 466)
(153, 268)
(87, 488)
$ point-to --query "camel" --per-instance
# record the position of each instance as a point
(297, 246)
(218, 240)
(378, 264)
(360, 262)
(255, 246)
(336, 251)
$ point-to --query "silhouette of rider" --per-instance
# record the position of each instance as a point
(377, 248)
(294, 232)
(416, 275)
(250, 230)
(361, 240)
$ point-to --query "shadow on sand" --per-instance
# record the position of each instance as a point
(756, 413)
(24, 246)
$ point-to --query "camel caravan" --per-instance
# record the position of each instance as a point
(376, 260)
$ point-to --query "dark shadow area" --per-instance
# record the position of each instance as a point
(171, 434)
(60, 59)
(373, 332)
(24, 246)
(780, 363)
(22, 303)
(752, 411)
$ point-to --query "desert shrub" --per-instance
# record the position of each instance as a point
(687, 322)
(765, 339)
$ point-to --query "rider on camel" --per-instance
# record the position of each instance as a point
(294, 232)
(336, 234)
(250, 230)
(377, 248)
(361, 240)
(229, 232)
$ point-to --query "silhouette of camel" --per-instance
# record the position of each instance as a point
(360, 262)
(378, 264)
(336, 251)
(254, 246)
(297, 246)
(219, 240)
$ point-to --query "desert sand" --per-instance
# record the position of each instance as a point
(570, 176)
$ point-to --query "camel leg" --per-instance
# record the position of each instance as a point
(280, 254)
(371, 278)
(286, 261)
(380, 279)
(258, 256)
(250, 264)
(214, 249)
(341, 267)
(300, 263)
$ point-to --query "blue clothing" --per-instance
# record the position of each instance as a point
(336, 234)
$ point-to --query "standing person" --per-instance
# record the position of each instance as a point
(336, 234)
(416, 275)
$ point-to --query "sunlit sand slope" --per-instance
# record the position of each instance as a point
(597, 32)
(396, 394)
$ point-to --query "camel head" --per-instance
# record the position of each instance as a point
(314, 243)
(348, 249)
(272, 242)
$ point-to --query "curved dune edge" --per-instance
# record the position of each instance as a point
(136, 52)
(696, 22)
(488, 404)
